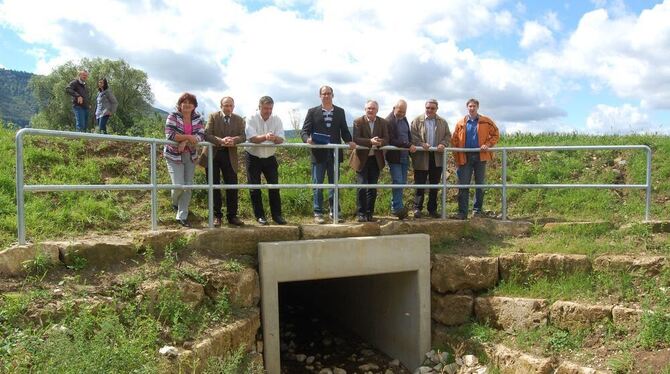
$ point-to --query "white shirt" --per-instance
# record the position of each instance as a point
(257, 126)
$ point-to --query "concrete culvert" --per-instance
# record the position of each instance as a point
(373, 288)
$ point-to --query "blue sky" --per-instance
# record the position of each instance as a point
(595, 66)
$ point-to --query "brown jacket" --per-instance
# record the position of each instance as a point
(216, 128)
(487, 131)
(420, 137)
(362, 137)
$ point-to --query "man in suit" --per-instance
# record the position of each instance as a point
(478, 132)
(225, 130)
(428, 130)
(399, 136)
(330, 120)
(372, 132)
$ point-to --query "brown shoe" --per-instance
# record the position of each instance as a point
(217, 222)
(235, 221)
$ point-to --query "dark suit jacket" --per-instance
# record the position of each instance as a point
(216, 128)
(394, 139)
(362, 137)
(338, 131)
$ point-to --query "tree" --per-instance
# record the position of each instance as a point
(294, 117)
(129, 85)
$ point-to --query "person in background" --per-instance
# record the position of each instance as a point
(428, 130)
(401, 137)
(369, 131)
(225, 130)
(473, 131)
(329, 120)
(184, 126)
(106, 105)
(80, 102)
(264, 127)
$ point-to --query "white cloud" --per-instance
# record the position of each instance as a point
(535, 35)
(625, 119)
(627, 54)
(289, 50)
(551, 20)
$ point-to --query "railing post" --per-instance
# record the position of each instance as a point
(20, 208)
(210, 181)
(336, 177)
(504, 185)
(154, 189)
(647, 204)
(444, 184)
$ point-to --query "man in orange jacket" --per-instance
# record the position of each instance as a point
(473, 131)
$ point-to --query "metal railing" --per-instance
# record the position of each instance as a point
(153, 185)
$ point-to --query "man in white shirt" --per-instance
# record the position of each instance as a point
(263, 127)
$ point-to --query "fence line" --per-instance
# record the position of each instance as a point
(154, 187)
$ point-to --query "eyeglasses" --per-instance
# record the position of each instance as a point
(431, 108)
(326, 93)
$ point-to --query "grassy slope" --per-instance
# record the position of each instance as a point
(57, 215)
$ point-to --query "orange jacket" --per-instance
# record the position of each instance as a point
(487, 132)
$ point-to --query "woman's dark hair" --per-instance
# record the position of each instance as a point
(186, 97)
(104, 84)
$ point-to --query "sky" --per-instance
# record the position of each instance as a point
(597, 67)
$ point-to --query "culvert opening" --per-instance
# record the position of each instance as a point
(326, 323)
(370, 293)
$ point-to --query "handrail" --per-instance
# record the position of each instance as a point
(153, 185)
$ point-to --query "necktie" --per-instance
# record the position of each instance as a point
(226, 120)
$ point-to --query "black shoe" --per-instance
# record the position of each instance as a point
(217, 221)
(434, 215)
(175, 208)
(339, 219)
(417, 214)
(262, 220)
(184, 223)
(370, 218)
(478, 213)
(361, 218)
(401, 213)
(235, 221)
(279, 220)
(461, 216)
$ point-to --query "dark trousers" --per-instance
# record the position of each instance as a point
(366, 197)
(269, 168)
(472, 166)
(222, 166)
(433, 175)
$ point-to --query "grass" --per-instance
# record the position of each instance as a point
(67, 161)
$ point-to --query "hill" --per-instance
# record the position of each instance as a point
(17, 104)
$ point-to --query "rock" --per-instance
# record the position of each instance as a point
(300, 357)
(470, 361)
(655, 226)
(567, 367)
(451, 310)
(13, 260)
(511, 314)
(337, 370)
(310, 231)
(97, 252)
(555, 265)
(454, 273)
(190, 292)
(499, 227)
(423, 370)
(325, 371)
(627, 318)
(513, 264)
(569, 315)
(438, 230)
(640, 265)
(309, 360)
(388, 371)
(169, 351)
(241, 240)
(368, 367)
(451, 368)
(367, 352)
(512, 361)
(158, 240)
(243, 287)
(394, 362)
